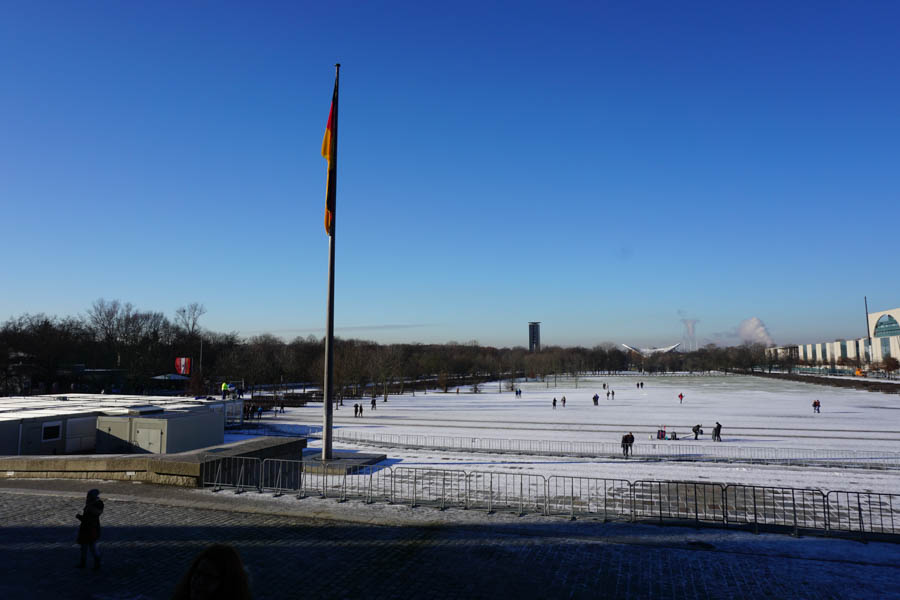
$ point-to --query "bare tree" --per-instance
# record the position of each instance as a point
(188, 317)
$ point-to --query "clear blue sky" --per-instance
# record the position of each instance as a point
(605, 168)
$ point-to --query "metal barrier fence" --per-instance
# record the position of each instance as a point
(755, 507)
(863, 512)
(678, 501)
(777, 507)
(609, 498)
(237, 472)
(670, 450)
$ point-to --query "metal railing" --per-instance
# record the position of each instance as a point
(669, 450)
(793, 510)
(237, 472)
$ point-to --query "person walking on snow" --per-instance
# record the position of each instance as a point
(680, 398)
(696, 430)
(563, 401)
(717, 432)
(554, 404)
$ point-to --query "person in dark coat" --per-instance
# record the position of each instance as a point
(625, 445)
(717, 432)
(596, 397)
(374, 404)
(696, 430)
(554, 404)
(89, 530)
(216, 573)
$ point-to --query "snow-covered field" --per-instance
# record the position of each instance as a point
(754, 412)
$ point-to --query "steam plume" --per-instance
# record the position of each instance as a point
(753, 330)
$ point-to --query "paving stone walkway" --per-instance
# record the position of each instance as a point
(151, 534)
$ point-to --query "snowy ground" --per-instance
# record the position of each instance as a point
(755, 412)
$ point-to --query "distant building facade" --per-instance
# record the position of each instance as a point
(534, 336)
(884, 333)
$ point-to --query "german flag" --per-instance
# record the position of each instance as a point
(329, 152)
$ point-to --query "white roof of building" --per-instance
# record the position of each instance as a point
(15, 408)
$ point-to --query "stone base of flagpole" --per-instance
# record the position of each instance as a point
(342, 461)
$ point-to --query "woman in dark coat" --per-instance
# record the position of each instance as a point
(89, 530)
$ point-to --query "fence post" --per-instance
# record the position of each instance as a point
(794, 508)
(415, 474)
(301, 487)
(755, 519)
(491, 496)
(724, 500)
(259, 482)
(343, 496)
(466, 504)
(443, 488)
(631, 488)
(240, 482)
(218, 480)
(572, 500)
(521, 497)
(546, 497)
(696, 511)
(862, 525)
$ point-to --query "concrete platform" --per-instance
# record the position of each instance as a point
(343, 461)
(182, 469)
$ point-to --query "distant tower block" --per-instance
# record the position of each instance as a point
(534, 336)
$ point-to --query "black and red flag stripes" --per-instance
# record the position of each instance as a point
(329, 151)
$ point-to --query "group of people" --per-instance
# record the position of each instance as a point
(639, 385)
(358, 408)
(817, 406)
(562, 401)
(252, 411)
(230, 389)
(518, 393)
(716, 434)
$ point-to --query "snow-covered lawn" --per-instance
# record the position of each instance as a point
(754, 412)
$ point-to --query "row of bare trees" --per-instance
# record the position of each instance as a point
(119, 347)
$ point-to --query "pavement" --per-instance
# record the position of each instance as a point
(319, 548)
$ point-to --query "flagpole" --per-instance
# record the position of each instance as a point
(328, 399)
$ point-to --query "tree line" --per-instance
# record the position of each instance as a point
(117, 347)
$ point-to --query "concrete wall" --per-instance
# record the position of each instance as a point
(183, 469)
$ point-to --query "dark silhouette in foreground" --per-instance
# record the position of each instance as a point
(216, 573)
(89, 530)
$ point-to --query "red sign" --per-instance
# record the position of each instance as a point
(183, 366)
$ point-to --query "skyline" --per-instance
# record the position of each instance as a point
(607, 170)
